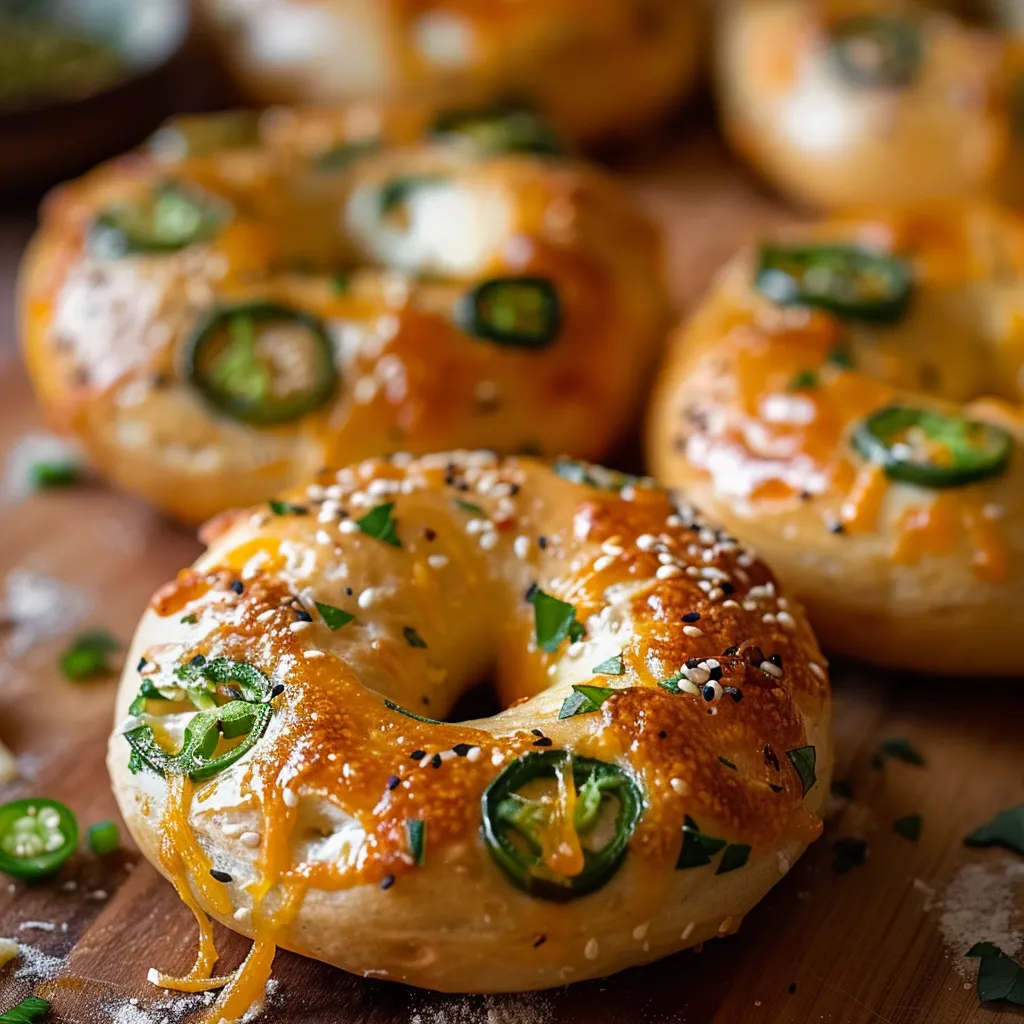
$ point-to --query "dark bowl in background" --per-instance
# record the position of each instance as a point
(44, 142)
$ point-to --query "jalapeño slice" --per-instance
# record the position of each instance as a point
(876, 51)
(498, 130)
(513, 825)
(850, 281)
(206, 134)
(170, 218)
(517, 312)
(245, 716)
(931, 449)
(36, 838)
(262, 363)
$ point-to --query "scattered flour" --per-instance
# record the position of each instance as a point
(517, 1009)
(38, 607)
(34, 965)
(979, 905)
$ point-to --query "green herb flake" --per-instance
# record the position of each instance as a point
(804, 760)
(339, 284)
(849, 853)
(379, 523)
(416, 830)
(804, 380)
(392, 706)
(412, 638)
(841, 357)
(1006, 829)
(286, 508)
(59, 473)
(28, 1011)
(672, 683)
(728, 763)
(334, 618)
(554, 620)
(898, 749)
(584, 700)
(468, 506)
(612, 667)
(88, 655)
(999, 976)
(736, 856)
(189, 620)
(104, 837)
(698, 848)
(909, 826)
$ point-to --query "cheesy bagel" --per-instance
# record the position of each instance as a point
(848, 401)
(851, 102)
(256, 297)
(663, 758)
(595, 68)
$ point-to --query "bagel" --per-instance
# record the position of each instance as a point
(627, 638)
(596, 68)
(256, 297)
(848, 401)
(844, 103)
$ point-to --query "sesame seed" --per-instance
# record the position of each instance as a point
(816, 670)
(268, 614)
(640, 931)
(417, 755)
(393, 781)
(366, 598)
(242, 914)
(220, 876)
(668, 572)
(770, 670)
(679, 786)
(693, 631)
(313, 654)
(521, 546)
(437, 561)
(592, 949)
(298, 627)
(290, 798)
(387, 881)
(348, 526)
(489, 540)
(646, 541)
(250, 839)
(603, 562)
(474, 754)
(691, 617)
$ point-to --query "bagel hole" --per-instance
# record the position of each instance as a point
(482, 701)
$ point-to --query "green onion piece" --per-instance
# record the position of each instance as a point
(416, 829)
(698, 848)
(584, 699)
(512, 824)
(334, 618)
(498, 130)
(88, 655)
(262, 363)
(286, 508)
(612, 667)
(931, 449)
(104, 837)
(850, 281)
(735, 856)
(804, 760)
(515, 312)
(379, 523)
(172, 217)
(876, 51)
(44, 475)
(553, 620)
(36, 838)
(412, 638)
(28, 1011)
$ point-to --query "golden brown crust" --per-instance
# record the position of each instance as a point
(948, 131)
(596, 68)
(754, 414)
(105, 338)
(649, 581)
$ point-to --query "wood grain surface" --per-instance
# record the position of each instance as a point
(881, 943)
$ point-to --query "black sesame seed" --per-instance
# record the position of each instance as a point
(514, 490)
(736, 694)
(237, 586)
(435, 761)
(198, 660)
(539, 941)
(462, 749)
(393, 781)
(542, 542)
(691, 617)
(537, 732)
(141, 665)
(836, 527)
(805, 495)
(544, 741)
(531, 590)
(429, 534)
(708, 693)
(792, 987)
(387, 881)
(775, 659)
(219, 876)
(730, 651)
(727, 588)
(716, 672)
(693, 662)
(770, 757)
(662, 734)
(277, 690)
(349, 591)
(774, 788)
(417, 755)
(302, 615)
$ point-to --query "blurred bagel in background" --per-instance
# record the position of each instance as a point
(255, 297)
(850, 102)
(848, 400)
(594, 68)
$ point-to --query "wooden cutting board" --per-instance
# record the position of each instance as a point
(883, 942)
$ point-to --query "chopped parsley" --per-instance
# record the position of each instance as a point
(999, 976)
(840, 356)
(392, 706)
(412, 638)
(416, 829)
(62, 473)
(804, 760)
(728, 763)
(286, 508)
(698, 848)
(554, 620)
(803, 380)
(28, 1011)
(189, 620)
(584, 699)
(89, 655)
(898, 749)
(849, 853)
(1006, 829)
(468, 506)
(379, 523)
(334, 618)
(612, 667)
(735, 856)
(909, 826)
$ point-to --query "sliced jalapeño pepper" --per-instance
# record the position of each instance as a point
(36, 838)
(262, 363)
(517, 312)
(170, 218)
(851, 281)
(876, 51)
(245, 716)
(498, 130)
(514, 825)
(931, 449)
